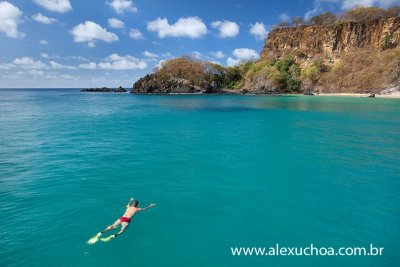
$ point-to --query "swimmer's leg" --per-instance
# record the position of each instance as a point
(124, 225)
(112, 226)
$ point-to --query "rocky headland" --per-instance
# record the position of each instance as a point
(150, 84)
(357, 52)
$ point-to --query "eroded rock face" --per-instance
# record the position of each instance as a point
(328, 42)
(261, 86)
(151, 84)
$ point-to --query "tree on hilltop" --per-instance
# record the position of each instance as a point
(297, 21)
(326, 18)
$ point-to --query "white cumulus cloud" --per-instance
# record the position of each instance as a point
(149, 54)
(28, 63)
(116, 23)
(232, 62)
(116, 62)
(160, 64)
(346, 4)
(192, 27)
(136, 34)
(120, 6)
(9, 19)
(57, 66)
(312, 12)
(197, 55)
(89, 66)
(259, 30)
(61, 6)
(36, 73)
(245, 53)
(45, 55)
(226, 29)
(89, 32)
(284, 17)
(39, 17)
(240, 55)
(5, 66)
(218, 54)
(43, 42)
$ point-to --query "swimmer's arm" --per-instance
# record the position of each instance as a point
(148, 207)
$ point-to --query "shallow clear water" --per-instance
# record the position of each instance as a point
(224, 171)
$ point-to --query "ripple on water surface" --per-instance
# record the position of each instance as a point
(224, 171)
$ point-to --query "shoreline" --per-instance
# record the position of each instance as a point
(358, 95)
(226, 92)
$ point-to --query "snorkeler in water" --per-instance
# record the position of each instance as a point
(131, 209)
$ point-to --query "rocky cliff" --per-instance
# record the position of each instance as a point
(181, 75)
(330, 41)
(339, 57)
(151, 84)
(342, 57)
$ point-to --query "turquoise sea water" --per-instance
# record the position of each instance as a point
(224, 171)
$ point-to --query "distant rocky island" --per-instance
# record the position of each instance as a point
(104, 90)
(355, 52)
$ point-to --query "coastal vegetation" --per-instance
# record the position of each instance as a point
(354, 52)
(282, 75)
(357, 14)
(363, 71)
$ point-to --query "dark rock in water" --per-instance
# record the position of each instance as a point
(120, 90)
(372, 96)
(104, 90)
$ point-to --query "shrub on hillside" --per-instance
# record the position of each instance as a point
(320, 65)
(326, 18)
(294, 78)
(233, 77)
(215, 74)
(283, 24)
(362, 71)
(387, 42)
(357, 14)
(311, 74)
(283, 64)
(198, 73)
(183, 68)
(364, 14)
(281, 75)
(285, 74)
(297, 21)
(392, 12)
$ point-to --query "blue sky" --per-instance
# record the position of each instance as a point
(89, 43)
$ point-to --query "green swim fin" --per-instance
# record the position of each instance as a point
(94, 239)
(107, 239)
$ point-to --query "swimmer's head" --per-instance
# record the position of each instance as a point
(135, 203)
